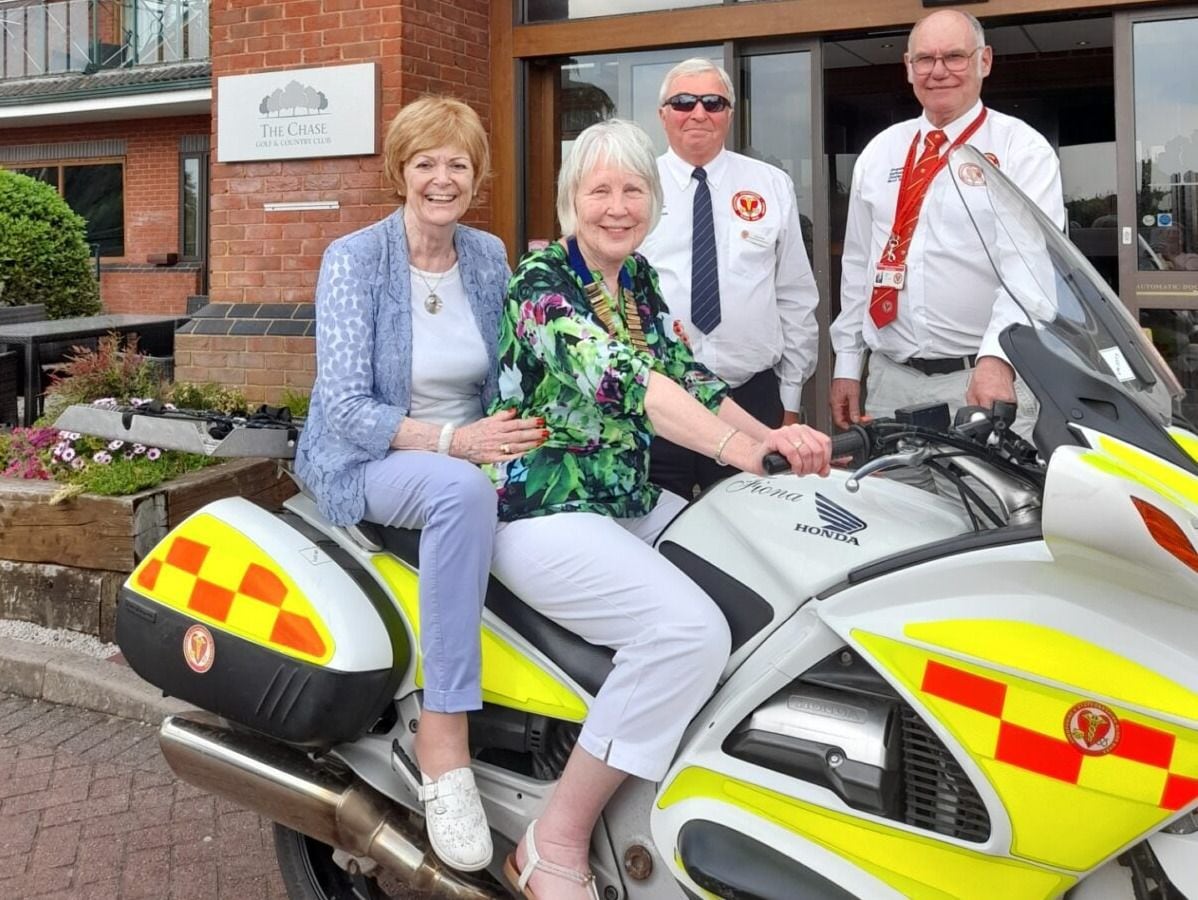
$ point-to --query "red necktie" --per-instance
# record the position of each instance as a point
(883, 303)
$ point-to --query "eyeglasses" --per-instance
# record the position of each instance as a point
(956, 61)
(712, 103)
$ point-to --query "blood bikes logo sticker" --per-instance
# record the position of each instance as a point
(1092, 728)
(749, 205)
(971, 174)
(199, 650)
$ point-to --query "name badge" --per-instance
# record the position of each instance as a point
(890, 277)
(759, 240)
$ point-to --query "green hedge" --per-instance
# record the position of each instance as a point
(44, 257)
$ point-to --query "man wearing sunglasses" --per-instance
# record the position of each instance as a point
(916, 289)
(733, 267)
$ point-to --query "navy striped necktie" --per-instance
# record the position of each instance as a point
(705, 276)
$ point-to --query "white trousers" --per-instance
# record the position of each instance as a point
(600, 578)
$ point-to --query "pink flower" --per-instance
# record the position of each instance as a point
(78, 463)
(103, 457)
(115, 445)
(153, 453)
(68, 455)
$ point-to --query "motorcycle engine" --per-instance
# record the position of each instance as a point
(842, 726)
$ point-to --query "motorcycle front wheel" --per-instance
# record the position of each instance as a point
(309, 872)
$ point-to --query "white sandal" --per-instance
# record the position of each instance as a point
(518, 879)
(456, 821)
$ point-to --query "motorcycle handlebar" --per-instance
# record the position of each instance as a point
(855, 442)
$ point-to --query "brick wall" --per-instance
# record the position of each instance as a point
(151, 182)
(421, 46)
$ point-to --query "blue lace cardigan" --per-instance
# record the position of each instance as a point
(363, 353)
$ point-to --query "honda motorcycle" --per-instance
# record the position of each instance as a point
(988, 691)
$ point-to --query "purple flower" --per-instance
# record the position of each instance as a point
(139, 449)
(153, 453)
(103, 457)
(106, 403)
(78, 463)
(611, 390)
(68, 454)
(115, 445)
(128, 454)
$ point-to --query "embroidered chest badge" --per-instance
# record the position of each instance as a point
(993, 159)
(971, 174)
(749, 205)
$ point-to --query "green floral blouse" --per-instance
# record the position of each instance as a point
(557, 361)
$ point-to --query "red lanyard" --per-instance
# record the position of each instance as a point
(906, 212)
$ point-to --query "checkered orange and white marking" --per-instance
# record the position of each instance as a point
(1079, 777)
(210, 571)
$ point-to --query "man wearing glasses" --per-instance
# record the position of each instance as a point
(917, 291)
(734, 271)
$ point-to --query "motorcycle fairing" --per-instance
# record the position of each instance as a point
(243, 613)
(211, 569)
(911, 864)
(1095, 504)
(511, 674)
(1079, 777)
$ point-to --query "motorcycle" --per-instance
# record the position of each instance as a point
(986, 691)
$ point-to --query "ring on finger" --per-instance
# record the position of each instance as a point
(505, 448)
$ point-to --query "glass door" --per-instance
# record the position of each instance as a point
(1158, 184)
(778, 121)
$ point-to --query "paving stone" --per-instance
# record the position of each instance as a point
(89, 810)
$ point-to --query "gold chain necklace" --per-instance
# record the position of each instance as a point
(602, 307)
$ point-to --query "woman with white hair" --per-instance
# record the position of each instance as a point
(587, 344)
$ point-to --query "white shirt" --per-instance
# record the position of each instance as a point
(767, 292)
(952, 304)
(449, 359)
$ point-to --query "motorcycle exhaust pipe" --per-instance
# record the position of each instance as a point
(286, 786)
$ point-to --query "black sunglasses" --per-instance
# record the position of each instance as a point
(713, 103)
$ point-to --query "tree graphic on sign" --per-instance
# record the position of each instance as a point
(291, 99)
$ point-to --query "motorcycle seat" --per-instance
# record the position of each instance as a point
(587, 664)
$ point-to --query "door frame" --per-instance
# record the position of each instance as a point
(1133, 282)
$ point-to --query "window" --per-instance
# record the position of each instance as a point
(96, 191)
(193, 205)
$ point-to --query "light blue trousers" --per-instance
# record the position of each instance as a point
(453, 503)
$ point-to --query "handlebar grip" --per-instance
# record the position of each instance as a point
(774, 463)
(850, 443)
(855, 442)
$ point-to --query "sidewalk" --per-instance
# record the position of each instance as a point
(58, 675)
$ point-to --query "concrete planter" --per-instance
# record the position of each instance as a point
(62, 565)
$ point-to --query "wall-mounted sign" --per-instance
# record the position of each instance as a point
(297, 113)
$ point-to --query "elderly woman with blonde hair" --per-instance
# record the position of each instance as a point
(407, 314)
(587, 344)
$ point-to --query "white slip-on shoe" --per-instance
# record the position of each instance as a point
(456, 821)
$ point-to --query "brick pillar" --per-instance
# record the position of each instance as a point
(256, 333)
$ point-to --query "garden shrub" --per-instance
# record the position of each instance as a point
(110, 376)
(44, 257)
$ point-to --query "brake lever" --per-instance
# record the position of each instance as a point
(915, 457)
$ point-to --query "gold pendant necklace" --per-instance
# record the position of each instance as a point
(433, 303)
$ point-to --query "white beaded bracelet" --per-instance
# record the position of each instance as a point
(446, 438)
(719, 451)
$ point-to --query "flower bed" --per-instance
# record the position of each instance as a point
(77, 512)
